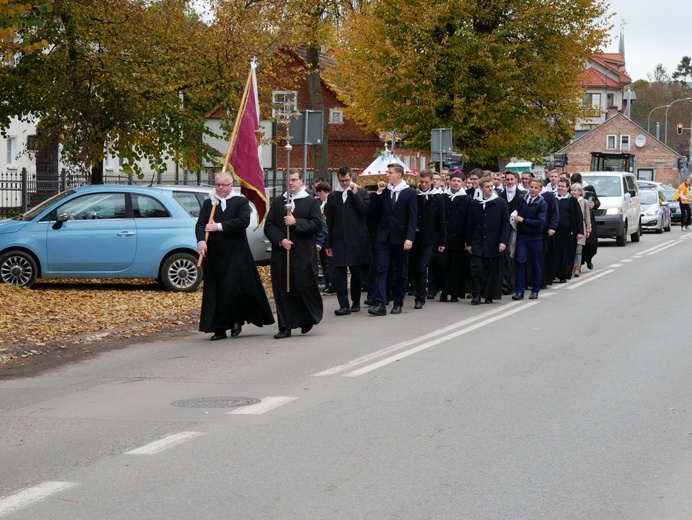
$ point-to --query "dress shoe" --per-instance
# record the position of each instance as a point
(443, 297)
(454, 299)
(488, 300)
(418, 305)
(218, 336)
(369, 303)
(589, 265)
(396, 309)
(355, 307)
(506, 291)
(236, 330)
(518, 296)
(431, 296)
(534, 295)
(476, 300)
(343, 311)
(305, 329)
(563, 280)
(329, 290)
(283, 333)
(378, 310)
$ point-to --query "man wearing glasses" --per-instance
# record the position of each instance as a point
(233, 293)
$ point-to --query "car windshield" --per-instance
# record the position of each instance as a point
(605, 185)
(29, 215)
(669, 195)
(648, 197)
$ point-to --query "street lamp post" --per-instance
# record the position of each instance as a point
(671, 104)
(648, 124)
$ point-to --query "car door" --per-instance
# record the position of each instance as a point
(633, 203)
(98, 236)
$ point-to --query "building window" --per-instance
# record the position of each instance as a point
(284, 101)
(611, 140)
(336, 116)
(624, 143)
(11, 151)
(591, 105)
(611, 101)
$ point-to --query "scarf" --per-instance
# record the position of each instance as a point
(344, 192)
(216, 199)
(478, 194)
(292, 198)
(452, 195)
(549, 187)
(510, 193)
(485, 201)
(395, 190)
(561, 197)
(431, 191)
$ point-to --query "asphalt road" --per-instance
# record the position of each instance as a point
(574, 406)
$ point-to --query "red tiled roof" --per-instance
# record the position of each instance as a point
(591, 78)
(613, 65)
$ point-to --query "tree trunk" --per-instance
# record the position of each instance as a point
(97, 173)
(320, 151)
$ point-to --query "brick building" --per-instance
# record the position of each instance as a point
(654, 160)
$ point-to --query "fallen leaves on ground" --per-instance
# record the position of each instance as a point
(62, 314)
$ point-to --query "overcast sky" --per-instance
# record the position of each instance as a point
(656, 31)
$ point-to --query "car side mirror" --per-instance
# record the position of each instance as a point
(61, 218)
(664, 203)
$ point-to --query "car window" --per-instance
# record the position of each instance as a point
(189, 201)
(630, 184)
(148, 207)
(605, 186)
(648, 197)
(95, 206)
(669, 195)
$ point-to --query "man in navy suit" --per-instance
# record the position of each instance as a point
(397, 210)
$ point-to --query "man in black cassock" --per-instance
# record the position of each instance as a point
(487, 236)
(302, 305)
(233, 293)
(348, 240)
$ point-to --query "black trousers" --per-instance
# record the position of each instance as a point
(685, 214)
(341, 284)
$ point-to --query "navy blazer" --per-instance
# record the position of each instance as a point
(488, 227)
(395, 225)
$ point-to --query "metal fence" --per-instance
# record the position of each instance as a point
(21, 190)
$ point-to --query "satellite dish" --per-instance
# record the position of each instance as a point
(640, 140)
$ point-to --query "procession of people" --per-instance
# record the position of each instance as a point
(493, 234)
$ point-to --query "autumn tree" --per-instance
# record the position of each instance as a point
(502, 73)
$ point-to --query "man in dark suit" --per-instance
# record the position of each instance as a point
(456, 260)
(512, 194)
(431, 232)
(487, 235)
(348, 241)
(397, 211)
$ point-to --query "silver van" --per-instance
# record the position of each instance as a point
(619, 213)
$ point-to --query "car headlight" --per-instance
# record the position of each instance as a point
(652, 212)
(614, 211)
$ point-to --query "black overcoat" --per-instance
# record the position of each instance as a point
(301, 306)
(432, 225)
(233, 291)
(347, 223)
(488, 227)
(456, 215)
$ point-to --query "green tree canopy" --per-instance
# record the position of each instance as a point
(502, 73)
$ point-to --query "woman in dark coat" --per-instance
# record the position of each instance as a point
(233, 293)
(591, 247)
(570, 228)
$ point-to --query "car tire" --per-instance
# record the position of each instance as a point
(18, 268)
(621, 239)
(659, 230)
(637, 234)
(179, 273)
(669, 226)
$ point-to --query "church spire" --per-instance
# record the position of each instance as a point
(621, 45)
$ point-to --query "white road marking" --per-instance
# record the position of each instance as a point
(615, 265)
(393, 348)
(266, 404)
(589, 279)
(429, 344)
(627, 260)
(663, 248)
(29, 496)
(658, 246)
(163, 444)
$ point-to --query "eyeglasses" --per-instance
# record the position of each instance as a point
(222, 185)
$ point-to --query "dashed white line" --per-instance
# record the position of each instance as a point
(663, 248)
(163, 444)
(265, 404)
(589, 279)
(29, 496)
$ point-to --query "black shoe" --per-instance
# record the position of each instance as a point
(343, 311)
(329, 290)
(369, 303)
(476, 300)
(396, 309)
(305, 329)
(518, 296)
(355, 307)
(411, 292)
(488, 300)
(218, 336)
(378, 310)
(454, 299)
(431, 296)
(469, 296)
(563, 280)
(534, 295)
(589, 265)
(418, 304)
(236, 330)
(443, 297)
(284, 333)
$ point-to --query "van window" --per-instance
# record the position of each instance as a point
(605, 186)
(630, 183)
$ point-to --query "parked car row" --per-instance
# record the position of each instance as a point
(112, 232)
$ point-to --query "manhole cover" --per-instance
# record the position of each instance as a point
(216, 402)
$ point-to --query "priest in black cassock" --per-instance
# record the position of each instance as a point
(302, 305)
(233, 293)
